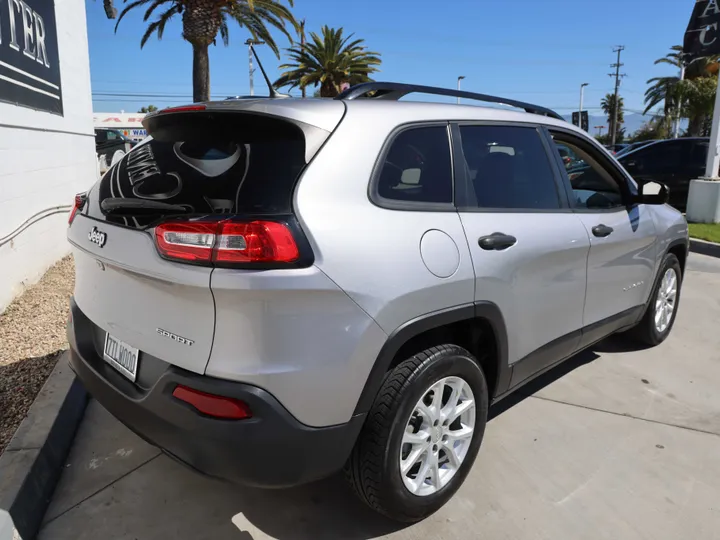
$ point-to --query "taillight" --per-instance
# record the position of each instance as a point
(77, 206)
(212, 405)
(228, 242)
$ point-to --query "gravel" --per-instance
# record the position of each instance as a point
(32, 338)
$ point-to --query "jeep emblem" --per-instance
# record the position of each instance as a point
(97, 237)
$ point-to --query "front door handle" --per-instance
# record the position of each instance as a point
(601, 231)
(496, 241)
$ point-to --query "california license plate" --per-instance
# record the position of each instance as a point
(121, 356)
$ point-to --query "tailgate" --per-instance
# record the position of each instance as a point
(123, 286)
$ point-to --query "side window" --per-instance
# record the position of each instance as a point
(661, 157)
(509, 168)
(112, 136)
(100, 136)
(593, 187)
(417, 167)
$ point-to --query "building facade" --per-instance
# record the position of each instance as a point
(47, 143)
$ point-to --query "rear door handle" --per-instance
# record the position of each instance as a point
(496, 241)
(601, 231)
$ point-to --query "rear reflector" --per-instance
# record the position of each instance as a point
(212, 405)
(227, 242)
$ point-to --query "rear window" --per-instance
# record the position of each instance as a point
(226, 165)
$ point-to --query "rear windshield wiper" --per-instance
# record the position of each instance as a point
(119, 206)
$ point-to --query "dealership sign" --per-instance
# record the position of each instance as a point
(29, 58)
(702, 37)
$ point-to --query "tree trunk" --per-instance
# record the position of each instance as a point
(201, 73)
(695, 125)
(327, 89)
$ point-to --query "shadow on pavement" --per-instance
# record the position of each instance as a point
(324, 510)
(612, 344)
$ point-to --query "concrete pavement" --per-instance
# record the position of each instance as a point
(614, 444)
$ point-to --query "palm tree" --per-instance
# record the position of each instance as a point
(330, 61)
(148, 109)
(202, 20)
(692, 97)
(608, 107)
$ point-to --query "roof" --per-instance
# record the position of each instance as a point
(323, 113)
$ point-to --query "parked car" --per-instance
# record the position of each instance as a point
(673, 162)
(274, 290)
(615, 148)
(634, 146)
(111, 145)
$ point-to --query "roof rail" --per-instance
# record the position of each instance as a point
(395, 91)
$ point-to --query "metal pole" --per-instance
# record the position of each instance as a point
(713, 158)
(617, 67)
(582, 92)
(678, 105)
(460, 78)
(252, 87)
(302, 46)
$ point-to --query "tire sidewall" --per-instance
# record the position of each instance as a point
(670, 262)
(455, 362)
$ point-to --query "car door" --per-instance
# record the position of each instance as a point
(528, 249)
(622, 236)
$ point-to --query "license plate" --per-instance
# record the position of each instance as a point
(121, 356)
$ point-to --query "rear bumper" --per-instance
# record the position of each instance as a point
(272, 449)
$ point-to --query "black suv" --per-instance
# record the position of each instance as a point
(673, 162)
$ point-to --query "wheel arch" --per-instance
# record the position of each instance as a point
(475, 326)
(680, 249)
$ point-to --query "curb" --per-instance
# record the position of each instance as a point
(704, 247)
(32, 463)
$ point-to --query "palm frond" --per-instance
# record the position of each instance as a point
(159, 25)
(133, 5)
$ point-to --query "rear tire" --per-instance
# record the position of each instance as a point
(442, 446)
(656, 324)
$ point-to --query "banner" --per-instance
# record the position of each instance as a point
(702, 37)
(29, 57)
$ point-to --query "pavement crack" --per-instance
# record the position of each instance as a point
(46, 523)
(626, 415)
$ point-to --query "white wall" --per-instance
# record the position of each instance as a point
(45, 160)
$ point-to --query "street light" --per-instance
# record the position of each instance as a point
(460, 78)
(582, 93)
(250, 43)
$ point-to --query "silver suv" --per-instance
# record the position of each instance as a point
(274, 290)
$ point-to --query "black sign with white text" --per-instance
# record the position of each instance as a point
(702, 37)
(29, 57)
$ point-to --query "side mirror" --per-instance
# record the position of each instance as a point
(653, 193)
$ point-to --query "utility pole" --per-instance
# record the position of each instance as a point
(617, 75)
(302, 46)
(250, 43)
(460, 78)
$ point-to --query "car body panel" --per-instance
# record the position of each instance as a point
(373, 253)
(620, 266)
(296, 334)
(544, 272)
(127, 289)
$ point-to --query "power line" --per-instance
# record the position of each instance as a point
(616, 106)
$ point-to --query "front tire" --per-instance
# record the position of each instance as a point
(422, 434)
(662, 307)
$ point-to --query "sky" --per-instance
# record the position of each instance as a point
(539, 51)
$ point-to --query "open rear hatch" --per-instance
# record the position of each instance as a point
(212, 187)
